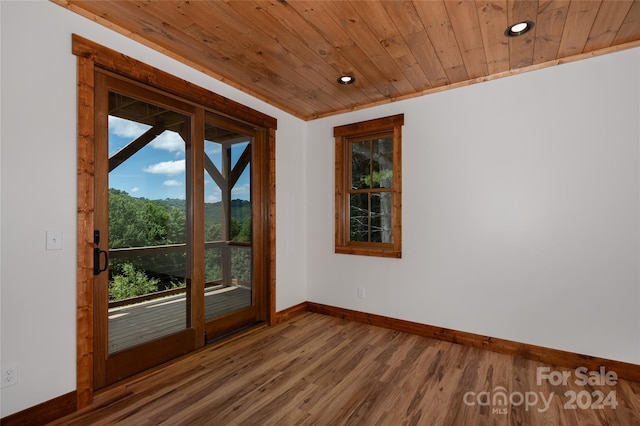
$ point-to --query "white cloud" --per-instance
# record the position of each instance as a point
(134, 190)
(171, 182)
(169, 141)
(212, 148)
(241, 189)
(125, 128)
(214, 198)
(169, 168)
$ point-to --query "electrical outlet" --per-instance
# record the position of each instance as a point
(361, 293)
(9, 375)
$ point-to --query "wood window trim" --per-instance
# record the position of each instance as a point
(89, 56)
(343, 135)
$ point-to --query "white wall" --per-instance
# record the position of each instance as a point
(520, 211)
(38, 169)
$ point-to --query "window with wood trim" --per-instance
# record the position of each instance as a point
(369, 187)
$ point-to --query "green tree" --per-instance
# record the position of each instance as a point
(139, 222)
(131, 283)
(125, 221)
(244, 231)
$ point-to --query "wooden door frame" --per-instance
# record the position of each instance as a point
(89, 56)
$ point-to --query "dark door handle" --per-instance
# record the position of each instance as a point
(96, 261)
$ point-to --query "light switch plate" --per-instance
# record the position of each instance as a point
(361, 293)
(54, 240)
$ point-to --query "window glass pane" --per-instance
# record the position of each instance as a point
(360, 165)
(212, 193)
(212, 146)
(236, 151)
(359, 220)
(212, 166)
(212, 266)
(381, 217)
(219, 298)
(147, 221)
(143, 289)
(123, 131)
(228, 264)
(241, 266)
(382, 163)
(241, 208)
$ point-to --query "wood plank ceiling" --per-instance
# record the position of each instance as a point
(290, 53)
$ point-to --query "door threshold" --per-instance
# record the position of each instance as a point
(235, 334)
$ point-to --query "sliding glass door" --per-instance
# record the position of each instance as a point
(229, 290)
(174, 262)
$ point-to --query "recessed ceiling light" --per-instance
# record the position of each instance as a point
(346, 79)
(518, 29)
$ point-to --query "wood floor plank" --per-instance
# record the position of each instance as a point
(318, 370)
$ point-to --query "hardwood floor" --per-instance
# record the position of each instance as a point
(322, 370)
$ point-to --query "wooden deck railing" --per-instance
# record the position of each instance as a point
(225, 280)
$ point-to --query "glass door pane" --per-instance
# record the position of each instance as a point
(147, 222)
(228, 220)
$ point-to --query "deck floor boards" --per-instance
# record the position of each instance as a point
(131, 325)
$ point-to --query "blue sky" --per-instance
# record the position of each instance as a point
(157, 171)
